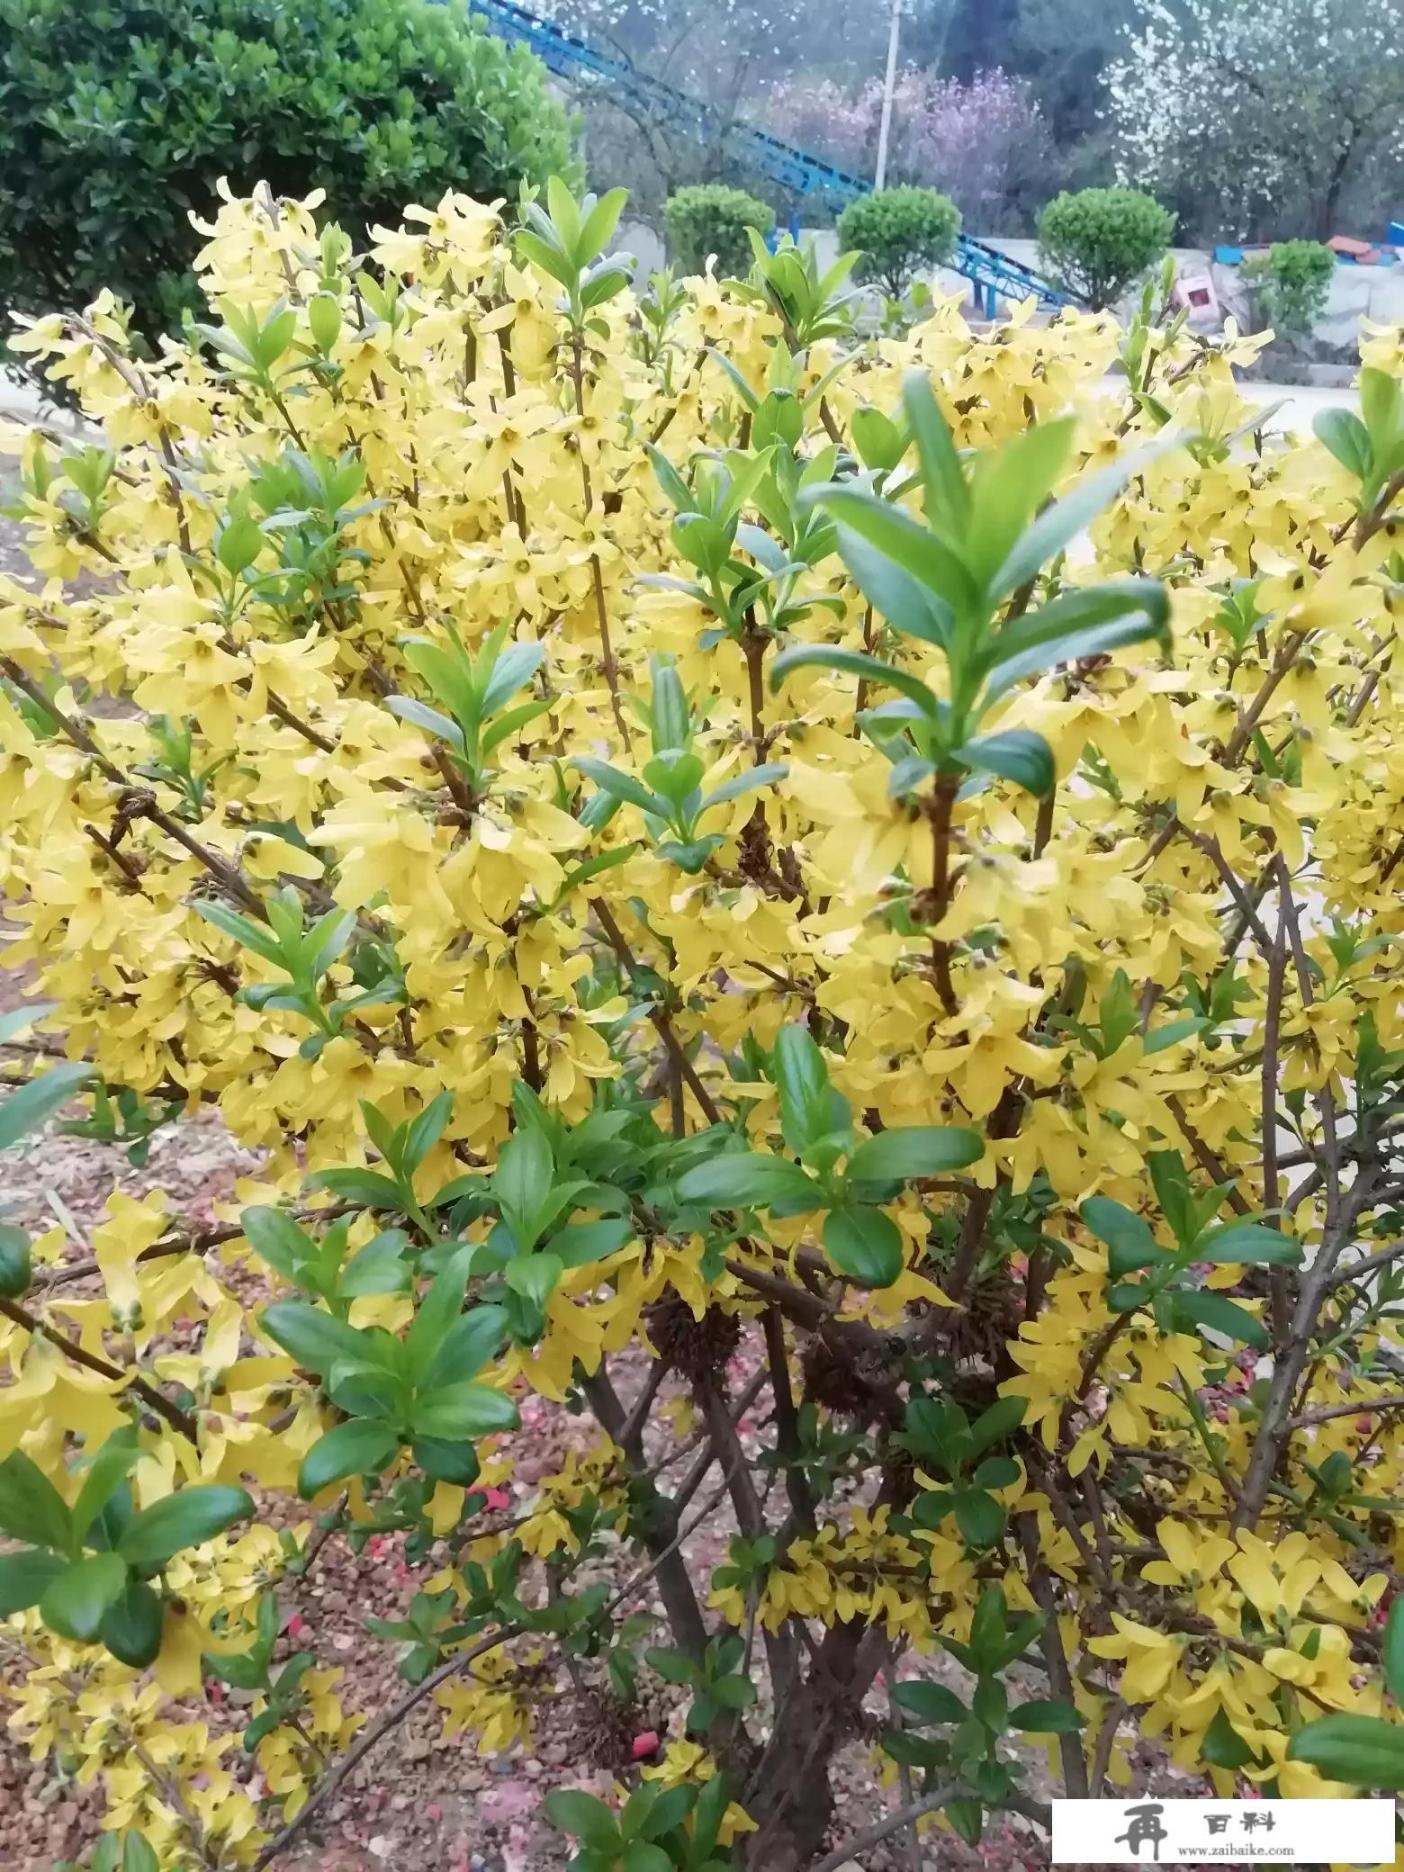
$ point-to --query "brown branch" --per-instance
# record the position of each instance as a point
(177, 1418)
(881, 1829)
(661, 1022)
(1331, 1411)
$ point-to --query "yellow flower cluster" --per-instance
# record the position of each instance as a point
(360, 622)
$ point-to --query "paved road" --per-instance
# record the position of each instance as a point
(1299, 404)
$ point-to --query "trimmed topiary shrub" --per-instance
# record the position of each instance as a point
(713, 219)
(1293, 281)
(120, 120)
(901, 232)
(1099, 241)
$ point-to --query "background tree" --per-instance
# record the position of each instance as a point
(983, 143)
(119, 121)
(725, 54)
(1098, 242)
(1254, 118)
(1293, 282)
(710, 219)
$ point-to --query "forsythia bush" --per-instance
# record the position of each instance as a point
(688, 856)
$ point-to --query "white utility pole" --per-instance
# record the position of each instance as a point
(885, 127)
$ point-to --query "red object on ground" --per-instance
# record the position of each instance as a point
(645, 1745)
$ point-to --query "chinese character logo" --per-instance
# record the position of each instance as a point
(1144, 1826)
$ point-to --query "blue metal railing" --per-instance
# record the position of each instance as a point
(569, 56)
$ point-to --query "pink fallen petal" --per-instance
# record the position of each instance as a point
(645, 1745)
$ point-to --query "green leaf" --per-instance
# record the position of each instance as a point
(740, 784)
(438, 1310)
(378, 1268)
(642, 1857)
(19, 1020)
(1058, 526)
(38, 1099)
(853, 663)
(523, 1178)
(534, 1276)
(74, 1604)
(512, 671)
(31, 1508)
(1046, 1718)
(425, 1130)
(621, 786)
(187, 1518)
(447, 1461)
(1009, 483)
(1223, 1746)
(1087, 621)
(582, 1816)
(131, 1625)
(464, 1410)
(431, 720)
(907, 604)
(666, 1808)
(1360, 1750)
(979, 1517)
(1126, 1234)
(747, 1180)
(914, 1151)
(470, 1342)
(802, 1080)
(929, 1702)
(673, 1666)
(1003, 1416)
(1392, 1651)
(314, 1338)
(1342, 432)
(26, 1576)
(990, 1704)
(360, 1447)
(137, 1856)
(967, 1817)
(1248, 1243)
(1193, 1307)
(1016, 754)
(245, 932)
(277, 1239)
(865, 1244)
(943, 477)
(367, 1187)
(108, 1470)
(16, 1262)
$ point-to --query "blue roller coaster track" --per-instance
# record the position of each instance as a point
(992, 273)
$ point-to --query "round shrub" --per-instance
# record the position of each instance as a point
(900, 232)
(119, 120)
(1293, 280)
(1099, 241)
(713, 219)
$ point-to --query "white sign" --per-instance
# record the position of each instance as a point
(1146, 1830)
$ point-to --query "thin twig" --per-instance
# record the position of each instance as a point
(880, 1830)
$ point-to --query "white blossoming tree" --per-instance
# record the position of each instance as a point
(1255, 118)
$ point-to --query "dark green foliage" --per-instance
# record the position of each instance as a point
(1294, 282)
(900, 232)
(1100, 241)
(118, 119)
(713, 219)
